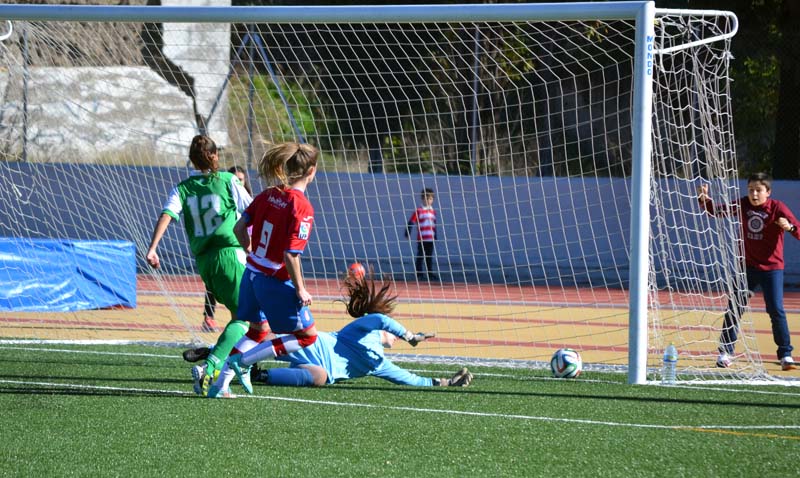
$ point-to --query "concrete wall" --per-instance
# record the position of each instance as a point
(90, 112)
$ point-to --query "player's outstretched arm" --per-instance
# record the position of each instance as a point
(415, 339)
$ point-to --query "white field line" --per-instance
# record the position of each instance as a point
(425, 371)
(415, 409)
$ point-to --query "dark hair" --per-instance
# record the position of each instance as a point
(246, 181)
(762, 178)
(201, 153)
(427, 192)
(365, 297)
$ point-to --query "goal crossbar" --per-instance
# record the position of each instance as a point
(328, 14)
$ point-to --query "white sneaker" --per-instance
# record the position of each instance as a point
(723, 360)
(198, 374)
(787, 363)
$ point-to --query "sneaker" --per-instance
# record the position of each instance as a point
(198, 377)
(787, 363)
(215, 392)
(462, 378)
(209, 325)
(242, 372)
(196, 355)
(724, 360)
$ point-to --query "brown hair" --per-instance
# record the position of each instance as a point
(365, 297)
(762, 178)
(202, 152)
(287, 162)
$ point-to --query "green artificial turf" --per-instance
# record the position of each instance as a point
(129, 411)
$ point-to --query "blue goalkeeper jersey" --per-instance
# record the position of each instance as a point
(357, 351)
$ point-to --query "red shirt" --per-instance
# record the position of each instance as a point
(763, 239)
(281, 219)
(425, 219)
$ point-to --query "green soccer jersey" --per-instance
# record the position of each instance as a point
(211, 204)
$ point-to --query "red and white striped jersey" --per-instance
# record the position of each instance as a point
(425, 219)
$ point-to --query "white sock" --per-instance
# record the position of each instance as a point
(258, 353)
(225, 377)
(226, 374)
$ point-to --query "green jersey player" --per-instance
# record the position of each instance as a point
(211, 203)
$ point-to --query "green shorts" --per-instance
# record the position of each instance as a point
(221, 271)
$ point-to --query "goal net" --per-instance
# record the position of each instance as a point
(521, 123)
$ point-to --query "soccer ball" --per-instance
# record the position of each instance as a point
(566, 363)
(357, 270)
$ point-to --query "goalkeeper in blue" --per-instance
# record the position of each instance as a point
(357, 350)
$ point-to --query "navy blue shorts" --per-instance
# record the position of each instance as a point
(278, 301)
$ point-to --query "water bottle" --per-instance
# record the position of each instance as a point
(670, 363)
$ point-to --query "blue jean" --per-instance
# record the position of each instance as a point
(771, 283)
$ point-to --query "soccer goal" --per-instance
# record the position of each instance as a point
(563, 144)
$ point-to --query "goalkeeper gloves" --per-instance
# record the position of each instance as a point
(414, 339)
(462, 378)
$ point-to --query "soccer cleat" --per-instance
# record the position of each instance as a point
(196, 355)
(462, 378)
(198, 377)
(723, 360)
(215, 392)
(209, 325)
(787, 363)
(242, 372)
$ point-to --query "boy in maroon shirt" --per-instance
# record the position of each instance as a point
(764, 222)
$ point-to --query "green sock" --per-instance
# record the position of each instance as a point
(234, 331)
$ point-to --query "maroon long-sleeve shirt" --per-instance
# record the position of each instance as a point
(763, 239)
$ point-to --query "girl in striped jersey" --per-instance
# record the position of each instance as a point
(425, 219)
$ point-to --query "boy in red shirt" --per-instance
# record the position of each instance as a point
(424, 217)
(764, 222)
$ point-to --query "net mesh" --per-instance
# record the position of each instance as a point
(522, 130)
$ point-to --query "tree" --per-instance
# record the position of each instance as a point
(786, 163)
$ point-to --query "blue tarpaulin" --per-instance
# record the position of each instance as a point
(38, 275)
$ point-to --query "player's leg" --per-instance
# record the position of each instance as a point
(209, 311)
(248, 312)
(302, 376)
(420, 258)
(225, 279)
(772, 285)
(428, 249)
(730, 326)
(256, 334)
(286, 315)
(277, 347)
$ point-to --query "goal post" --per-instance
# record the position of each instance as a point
(563, 142)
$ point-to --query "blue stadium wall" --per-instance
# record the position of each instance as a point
(505, 235)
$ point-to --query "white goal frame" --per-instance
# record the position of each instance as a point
(642, 12)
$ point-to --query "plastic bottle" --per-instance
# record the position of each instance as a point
(670, 364)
